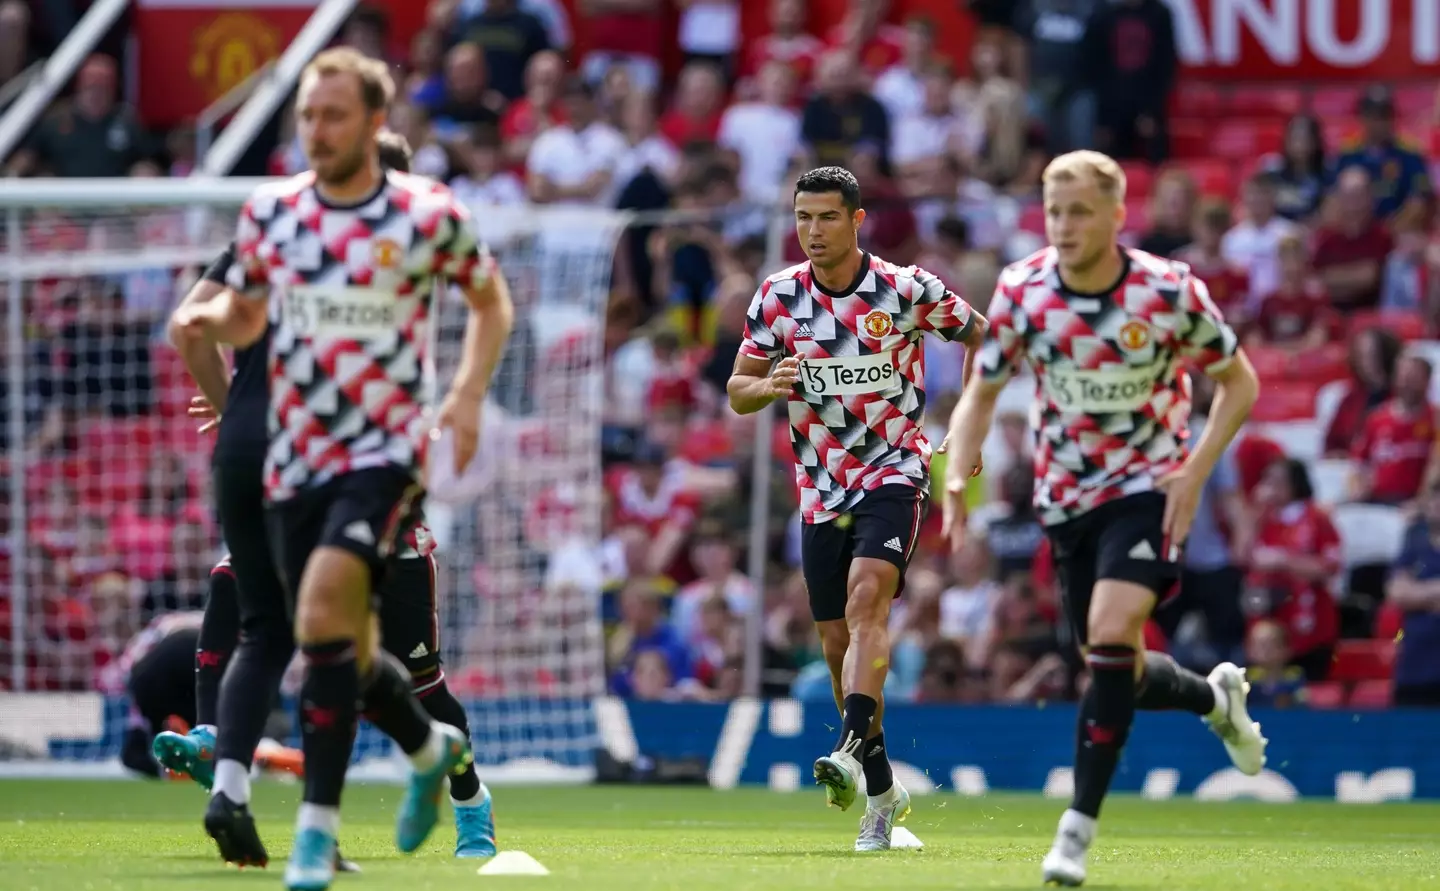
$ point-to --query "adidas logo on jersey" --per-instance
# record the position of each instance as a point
(804, 332)
(359, 532)
(420, 651)
(895, 545)
(1142, 551)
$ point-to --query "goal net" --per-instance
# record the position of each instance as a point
(108, 500)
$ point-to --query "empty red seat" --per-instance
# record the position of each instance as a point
(1271, 364)
(1196, 100)
(1326, 694)
(1243, 139)
(1032, 219)
(1259, 101)
(1404, 325)
(1139, 179)
(1415, 101)
(1335, 102)
(1214, 179)
(1284, 401)
(1340, 133)
(1362, 660)
(1137, 216)
(1190, 138)
(1388, 621)
(1320, 366)
(1371, 694)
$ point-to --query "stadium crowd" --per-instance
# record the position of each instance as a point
(1306, 210)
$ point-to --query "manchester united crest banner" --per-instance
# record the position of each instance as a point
(193, 51)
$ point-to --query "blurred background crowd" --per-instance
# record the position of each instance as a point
(1308, 210)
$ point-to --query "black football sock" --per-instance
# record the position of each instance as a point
(391, 706)
(247, 694)
(878, 775)
(442, 705)
(219, 632)
(1105, 718)
(328, 701)
(855, 721)
(1168, 686)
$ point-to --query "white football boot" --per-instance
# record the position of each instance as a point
(882, 812)
(1065, 864)
(1231, 720)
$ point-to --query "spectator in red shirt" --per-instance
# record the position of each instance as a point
(865, 35)
(787, 42)
(1373, 356)
(1393, 450)
(536, 111)
(699, 101)
(1229, 285)
(627, 33)
(1297, 315)
(1295, 555)
(1350, 250)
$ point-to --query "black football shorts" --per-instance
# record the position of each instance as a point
(885, 525)
(1120, 540)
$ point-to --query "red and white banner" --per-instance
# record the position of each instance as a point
(1334, 40)
(193, 51)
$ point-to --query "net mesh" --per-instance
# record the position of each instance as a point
(118, 527)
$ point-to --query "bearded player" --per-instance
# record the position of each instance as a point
(839, 338)
(350, 259)
(245, 593)
(1108, 332)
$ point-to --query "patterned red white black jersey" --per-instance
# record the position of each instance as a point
(1113, 397)
(351, 292)
(857, 415)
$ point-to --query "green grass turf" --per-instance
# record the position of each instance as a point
(107, 836)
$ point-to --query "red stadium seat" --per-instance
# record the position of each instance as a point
(1243, 139)
(1214, 179)
(1335, 102)
(1196, 100)
(1371, 694)
(1271, 363)
(1032, 219)
(1284, 401)
(1416, 101)
(1139, 179)
(1137, 216)
(1340, 133)
(1404, 325)
(1190, 138)
(1326, 694)
(1318, 367)
(1389, 621)
(1362, 660)
(1260, 101)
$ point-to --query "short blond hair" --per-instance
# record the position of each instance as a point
(1085, 164)
(377, 87)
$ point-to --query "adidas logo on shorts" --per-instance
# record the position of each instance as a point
(895, 545)
(420, 651)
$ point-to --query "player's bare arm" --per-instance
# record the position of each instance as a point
(969, 425)
(492, 315)
(202, 357)
(1236, 389)
(755, 383)
(226, 318)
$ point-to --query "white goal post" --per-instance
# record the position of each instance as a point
(108, 483)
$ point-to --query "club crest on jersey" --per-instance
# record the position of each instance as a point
(1134, 335)
(386, 253)
(877, 323)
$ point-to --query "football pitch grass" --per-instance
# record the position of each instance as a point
(108, 836)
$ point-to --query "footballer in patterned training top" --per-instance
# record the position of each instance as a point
(1108, 333)
(839, 337)
(349, 259)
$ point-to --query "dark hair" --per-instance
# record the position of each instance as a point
(1386, 344)
(1315, 160)
(831, 179)
(1301, 489)
(367, 16)
(394, 151)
